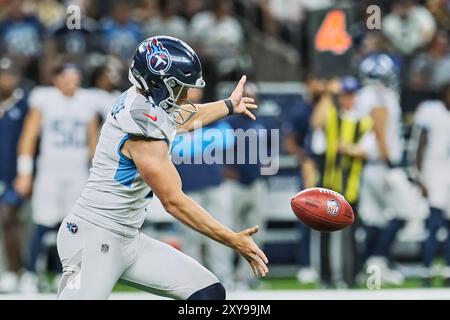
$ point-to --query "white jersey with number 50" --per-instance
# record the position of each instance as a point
(116, 196)
(64, 129)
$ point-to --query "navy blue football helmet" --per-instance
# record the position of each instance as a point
(379, 67)
(164, 68)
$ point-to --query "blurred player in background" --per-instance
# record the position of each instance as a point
(13, 109)
(337, 133)
(63, 117)
(100, 242)
(247, 186)
(204, 183)
(433, 163)
(380, 206)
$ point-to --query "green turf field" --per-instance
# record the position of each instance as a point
(293, 284)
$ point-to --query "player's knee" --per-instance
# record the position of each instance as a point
(215, 291)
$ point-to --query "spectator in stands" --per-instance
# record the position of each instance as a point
(191, 7)
(13, 109)
(146, 10)
(430, 70)
(283, 18)
(49, 12)
(21, 37)
(120, 33)
(440, 9)
(433, 164)
(219, 36)
(409, 26)
(275, 13)
(168, 22)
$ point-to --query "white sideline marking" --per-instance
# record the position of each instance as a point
(387, 294)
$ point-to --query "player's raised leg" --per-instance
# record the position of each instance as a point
(163, 270)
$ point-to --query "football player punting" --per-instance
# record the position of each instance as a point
(100, 242)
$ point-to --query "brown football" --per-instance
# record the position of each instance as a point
(322, 209)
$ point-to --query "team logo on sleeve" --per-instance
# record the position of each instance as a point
(332, 207)
(158, 58)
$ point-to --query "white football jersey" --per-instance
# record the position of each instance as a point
(373, 96)
(435, 118)
(64, 129)
(116, 196)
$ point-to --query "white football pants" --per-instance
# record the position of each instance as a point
(95, 259)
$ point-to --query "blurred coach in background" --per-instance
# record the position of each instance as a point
(13, 109)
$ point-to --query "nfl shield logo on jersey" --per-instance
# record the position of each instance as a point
(158, 57)
(105, 248)
(332, 207)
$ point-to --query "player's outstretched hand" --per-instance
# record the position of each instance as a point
(247, 248)
(242, 105)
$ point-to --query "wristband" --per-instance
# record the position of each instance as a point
(25, 164)
(229, 106)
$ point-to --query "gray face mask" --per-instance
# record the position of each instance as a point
(177, 89)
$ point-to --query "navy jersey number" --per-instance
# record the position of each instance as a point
(119, 105)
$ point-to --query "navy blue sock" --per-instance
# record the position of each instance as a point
(447, 242)
(430, 245)
(372, 235)
(387, 237)
(215, 291)
(304, 251)
(35, 246)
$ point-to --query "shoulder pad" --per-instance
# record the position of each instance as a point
(137, 115)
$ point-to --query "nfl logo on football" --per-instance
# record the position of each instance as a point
(332, 207)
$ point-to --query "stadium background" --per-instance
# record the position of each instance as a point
(275, 43)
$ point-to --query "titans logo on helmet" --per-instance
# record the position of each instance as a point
(158, 58)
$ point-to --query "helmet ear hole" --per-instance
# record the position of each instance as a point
(154, 85)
